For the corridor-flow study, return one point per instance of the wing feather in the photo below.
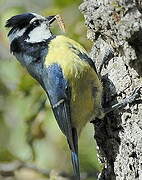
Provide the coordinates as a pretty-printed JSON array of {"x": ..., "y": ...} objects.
[{"x": 59, "y": 94}]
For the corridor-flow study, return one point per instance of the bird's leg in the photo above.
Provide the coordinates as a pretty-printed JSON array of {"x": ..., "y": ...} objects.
[
  {"x": 124, "y": 102},
  {"x": 136, "y": 93}
]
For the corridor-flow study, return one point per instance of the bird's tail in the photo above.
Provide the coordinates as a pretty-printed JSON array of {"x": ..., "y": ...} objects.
[
  {"x": 74, "y": 154},
  {"x": 75, "y": 162}
]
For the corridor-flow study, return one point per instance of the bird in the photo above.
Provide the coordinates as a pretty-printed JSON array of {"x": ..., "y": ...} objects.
[{"x": 64, "y": 70}]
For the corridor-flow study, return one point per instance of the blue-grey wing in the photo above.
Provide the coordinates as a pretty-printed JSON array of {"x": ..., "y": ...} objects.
[{"x": 58, "y": 92}]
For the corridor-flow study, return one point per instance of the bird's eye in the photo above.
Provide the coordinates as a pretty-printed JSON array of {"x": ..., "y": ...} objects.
[{"x": 36, "y": 23}]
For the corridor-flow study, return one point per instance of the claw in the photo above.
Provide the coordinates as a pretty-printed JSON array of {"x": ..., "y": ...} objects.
[{"x": 136, "y": 93}]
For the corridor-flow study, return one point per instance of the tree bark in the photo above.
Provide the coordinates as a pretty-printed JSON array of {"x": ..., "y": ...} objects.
[{"x": 115, "y": 27}]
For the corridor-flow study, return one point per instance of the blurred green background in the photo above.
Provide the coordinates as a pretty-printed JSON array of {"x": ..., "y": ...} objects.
[{"x": 29, "y": 132}]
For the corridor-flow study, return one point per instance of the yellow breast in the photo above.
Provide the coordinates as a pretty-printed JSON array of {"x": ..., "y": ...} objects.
[{"x": 81, "y": 77}]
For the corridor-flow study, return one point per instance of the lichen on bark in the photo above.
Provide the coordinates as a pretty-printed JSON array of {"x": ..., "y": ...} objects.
[{"x": 115, "y": 27}]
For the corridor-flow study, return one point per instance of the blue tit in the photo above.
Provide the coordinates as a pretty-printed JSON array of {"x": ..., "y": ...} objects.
[{"x": 63, "y": 69}]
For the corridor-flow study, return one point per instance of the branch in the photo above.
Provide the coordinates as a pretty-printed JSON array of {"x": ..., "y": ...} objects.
[{"x": 7, "y": 169}]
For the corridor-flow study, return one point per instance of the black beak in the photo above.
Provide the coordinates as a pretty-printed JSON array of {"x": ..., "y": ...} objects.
[{"x": 51, "y": 19}]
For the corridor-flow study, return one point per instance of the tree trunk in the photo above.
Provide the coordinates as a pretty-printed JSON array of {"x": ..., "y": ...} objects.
[{"x": 115, "y": 27}]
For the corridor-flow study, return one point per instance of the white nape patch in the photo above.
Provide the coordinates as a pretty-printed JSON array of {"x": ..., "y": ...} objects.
[
  {"x": 39, "y": 33},
  {"x": 16, "y": 34}
]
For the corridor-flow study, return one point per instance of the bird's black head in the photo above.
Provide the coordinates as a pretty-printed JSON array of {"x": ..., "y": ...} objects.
[
  {"x": 32, "y": 27},
  {"x": 29, "y": 36}
]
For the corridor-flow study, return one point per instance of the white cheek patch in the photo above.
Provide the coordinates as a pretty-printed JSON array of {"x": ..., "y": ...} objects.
[
  {"x": 39, "y": 34},
  {"x": 16, "y": 34}
]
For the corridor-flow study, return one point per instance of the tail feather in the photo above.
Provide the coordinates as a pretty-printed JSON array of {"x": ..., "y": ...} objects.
[
  {"x": 75, "y": 162},
  {"x": 73, "y": 143}
]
